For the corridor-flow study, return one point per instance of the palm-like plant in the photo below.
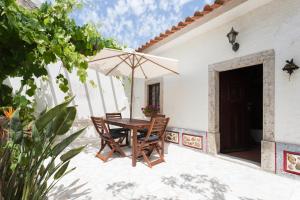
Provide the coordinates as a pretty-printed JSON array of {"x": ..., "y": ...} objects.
[{"x": 29, "y": 163}]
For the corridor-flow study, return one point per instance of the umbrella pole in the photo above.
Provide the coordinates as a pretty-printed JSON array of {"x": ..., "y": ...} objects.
[{"x": 132, "y": 85}]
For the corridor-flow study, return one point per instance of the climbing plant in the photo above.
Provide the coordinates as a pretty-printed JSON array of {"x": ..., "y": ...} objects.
[{"x": 30, "y": 39}]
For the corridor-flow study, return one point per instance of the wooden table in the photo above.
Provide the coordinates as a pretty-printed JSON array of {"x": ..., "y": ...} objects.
[{"x": 134, "y": 125}]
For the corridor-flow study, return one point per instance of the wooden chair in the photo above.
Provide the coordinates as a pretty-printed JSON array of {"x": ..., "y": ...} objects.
[
  {"x": 143, "y": 132},
  {"x": 122, "y": 130},
  {"x": 111, "y": 139},
  {"x": 154, "y": 140}
]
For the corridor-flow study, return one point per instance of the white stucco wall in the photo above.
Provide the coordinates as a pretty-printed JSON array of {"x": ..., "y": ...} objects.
[
  {"x": 108, "y": 96},
  {"x": 275, "y": 25}
]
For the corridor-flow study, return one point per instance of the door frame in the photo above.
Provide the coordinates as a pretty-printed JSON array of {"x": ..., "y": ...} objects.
[{"x": 267, "y": 59}]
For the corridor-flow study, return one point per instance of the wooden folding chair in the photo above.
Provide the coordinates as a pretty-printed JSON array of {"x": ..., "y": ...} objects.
[
  {"x": 143, "y": 132},
  {"x": 154, "y": 140},
  {"x": 125, "y": 131},
  {"x": 111, "y": 139}
]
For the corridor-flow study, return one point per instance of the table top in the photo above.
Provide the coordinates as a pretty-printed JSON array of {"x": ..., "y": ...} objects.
[{"x": 129, "y": 123}]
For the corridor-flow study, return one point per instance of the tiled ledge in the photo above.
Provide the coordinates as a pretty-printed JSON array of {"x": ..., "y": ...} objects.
[
  {"x": 288, "y": 160},
  {"x": 284, "y": 153},
  {"x": 187, "y": 137}
]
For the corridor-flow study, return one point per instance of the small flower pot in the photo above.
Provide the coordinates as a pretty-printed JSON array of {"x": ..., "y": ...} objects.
[{"x": 150, "y": 114}]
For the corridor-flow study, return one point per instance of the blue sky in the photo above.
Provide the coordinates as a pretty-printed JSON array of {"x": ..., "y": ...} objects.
[{"x": 134, "y": 22}]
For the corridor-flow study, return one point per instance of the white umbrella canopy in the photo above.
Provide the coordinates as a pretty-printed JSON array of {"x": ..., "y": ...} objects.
[{"x": 130, "y": 63}]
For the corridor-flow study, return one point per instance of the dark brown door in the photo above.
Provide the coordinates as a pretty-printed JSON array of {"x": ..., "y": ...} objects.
[{"x": 234, "y": 122}]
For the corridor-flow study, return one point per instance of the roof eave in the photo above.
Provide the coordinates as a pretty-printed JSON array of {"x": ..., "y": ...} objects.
[{"x": 200, "y": 17}]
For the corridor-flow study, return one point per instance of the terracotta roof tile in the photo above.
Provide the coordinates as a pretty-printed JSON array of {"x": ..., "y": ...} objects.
[
  {"x": 189, "y": 20},
  {"x": 208, "y": 8}
]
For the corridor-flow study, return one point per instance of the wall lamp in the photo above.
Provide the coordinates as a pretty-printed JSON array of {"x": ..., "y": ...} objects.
[
  {"x": 290, "y": 67},
  {"x": 232, "y": 39}
]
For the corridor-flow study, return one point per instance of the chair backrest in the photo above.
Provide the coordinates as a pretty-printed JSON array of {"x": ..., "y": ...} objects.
[
  {"x": 101, "y": 128},
  {"x": 113, "y": 116},
  {"x": 158, "y": 126},
  {"x": 158, "y": 115}
]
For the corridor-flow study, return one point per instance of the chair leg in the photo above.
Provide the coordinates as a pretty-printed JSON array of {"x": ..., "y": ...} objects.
[
  {"x": 102, "y": 147},
  {"x": 146, "y": 159},
  {"x": 127, "y": 138},
  {"x": 155, "y": 162},
  {"x": 121, "y": 142},
  {"x": 110, "y": 154},
  {"x": 105, "y": 158},
  {"x": 150, "y": 151},
  {"x": 115, "y": 146},
  {"x": 118, "y": 149},
  {"x": 160, "y": 153},
  {"x": 163, "y": 147}
]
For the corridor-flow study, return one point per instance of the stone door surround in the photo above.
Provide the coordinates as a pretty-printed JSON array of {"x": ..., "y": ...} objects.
[{"x": 267, "y": 59}]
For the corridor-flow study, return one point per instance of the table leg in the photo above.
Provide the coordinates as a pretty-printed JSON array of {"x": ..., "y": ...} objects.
[{"x": 134, "y": 148}]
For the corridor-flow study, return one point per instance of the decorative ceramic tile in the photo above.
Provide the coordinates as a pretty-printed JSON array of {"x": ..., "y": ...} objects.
[
  {"x": 291, "y": 162},
  {"x": 192, "y": 141},
  {"x": 172, "y": 136}
]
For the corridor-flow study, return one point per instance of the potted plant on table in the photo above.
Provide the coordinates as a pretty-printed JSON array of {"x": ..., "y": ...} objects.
[{"x": 151, "y": 110}]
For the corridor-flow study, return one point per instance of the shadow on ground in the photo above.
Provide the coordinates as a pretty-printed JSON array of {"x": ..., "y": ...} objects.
[
  {"x": 246, "y": 198},
  {"x": 206, "y": 187},
  {"x": 70, "y": 192},
  {"x": 117, "y": 187},
  {"x": 153, "y": 197}
]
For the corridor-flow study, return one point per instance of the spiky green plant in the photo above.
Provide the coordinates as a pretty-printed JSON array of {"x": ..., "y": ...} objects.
[{"x": 31, "y": 160}]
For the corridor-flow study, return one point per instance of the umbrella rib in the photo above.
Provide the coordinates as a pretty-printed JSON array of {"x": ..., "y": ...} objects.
[
  {"x": 107, "y": 57},
  {"x": 139, "y": 60},
  {"x": 143, "y": 71},
  {"x": 131, "y": 61},
  {"x": 143, "y": 61},
  {"x": 140, "y": 64},
  {"x": 125, "y": 61},
  {"x": 161, "y": 65},
  {"x": 115, "y": 66}
]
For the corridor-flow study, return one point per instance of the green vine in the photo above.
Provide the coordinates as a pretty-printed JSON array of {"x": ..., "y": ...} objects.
[{"x": 31, "y": 39}]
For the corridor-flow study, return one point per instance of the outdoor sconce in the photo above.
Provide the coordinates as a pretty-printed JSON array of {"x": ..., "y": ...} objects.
[
  {"x": 290, "y": 67},
  {"x": 232, "y": 39}
]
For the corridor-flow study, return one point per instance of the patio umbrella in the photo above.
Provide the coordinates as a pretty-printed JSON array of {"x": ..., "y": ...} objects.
[{"x": 130, "y": 63}]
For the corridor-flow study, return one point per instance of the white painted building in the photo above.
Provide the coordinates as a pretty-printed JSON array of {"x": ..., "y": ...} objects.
[{"x": 269, "y": 34}]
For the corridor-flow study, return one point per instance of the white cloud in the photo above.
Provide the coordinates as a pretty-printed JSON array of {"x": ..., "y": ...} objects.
[
  {"x": 209, "y": 1},
  {"x": 137, "y": 6},
  {"x": 121, "y": 7},
  {"x": 133, "y": 22}
]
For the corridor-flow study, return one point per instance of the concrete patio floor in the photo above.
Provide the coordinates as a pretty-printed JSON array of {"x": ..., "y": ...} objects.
[{"x": 186, "y": 175}]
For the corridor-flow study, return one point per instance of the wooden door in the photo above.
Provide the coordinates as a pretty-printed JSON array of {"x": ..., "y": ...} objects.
[{"x": 234, "y": 122}]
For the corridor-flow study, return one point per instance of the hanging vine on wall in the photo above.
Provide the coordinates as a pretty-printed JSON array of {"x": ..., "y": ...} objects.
[{"x": 32, "y": 39}]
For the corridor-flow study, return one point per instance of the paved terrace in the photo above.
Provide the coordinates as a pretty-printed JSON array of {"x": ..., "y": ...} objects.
[{"x": 186, "y": 175}]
